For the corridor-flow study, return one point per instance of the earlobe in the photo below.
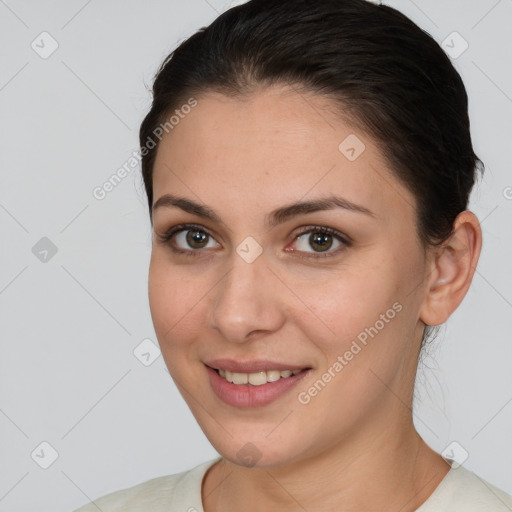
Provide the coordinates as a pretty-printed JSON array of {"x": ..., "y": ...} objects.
[{"x": 453, "y": 269}]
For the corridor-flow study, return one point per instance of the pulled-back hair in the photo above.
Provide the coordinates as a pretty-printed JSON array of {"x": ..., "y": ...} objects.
[{"x": 388, "y": 78}]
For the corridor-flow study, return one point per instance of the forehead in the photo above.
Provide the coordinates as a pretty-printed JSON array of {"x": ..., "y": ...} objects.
[{"x": 271, "y": 147}]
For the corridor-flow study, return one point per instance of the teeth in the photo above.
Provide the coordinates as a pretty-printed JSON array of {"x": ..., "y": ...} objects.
[
  {"x": 239, "y": 378},
  {"x": 273, "y": 375},
  {"x": 257, "y": 378}
]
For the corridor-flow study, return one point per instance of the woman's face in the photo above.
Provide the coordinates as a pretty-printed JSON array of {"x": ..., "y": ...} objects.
[{"x": 253, "y": 286}]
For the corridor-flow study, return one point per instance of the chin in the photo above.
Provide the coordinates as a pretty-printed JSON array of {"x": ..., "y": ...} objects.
[{"x": 258, "y": 452}]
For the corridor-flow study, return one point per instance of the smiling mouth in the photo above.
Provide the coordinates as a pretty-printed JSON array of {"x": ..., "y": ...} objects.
[{"x": 257, "y": 378}]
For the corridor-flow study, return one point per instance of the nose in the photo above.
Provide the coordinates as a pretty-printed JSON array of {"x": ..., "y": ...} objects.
[{"x": 248, "y": 301}]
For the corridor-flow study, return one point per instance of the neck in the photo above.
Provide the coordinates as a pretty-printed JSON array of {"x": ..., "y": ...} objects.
[{"x": 392, "y": 469}]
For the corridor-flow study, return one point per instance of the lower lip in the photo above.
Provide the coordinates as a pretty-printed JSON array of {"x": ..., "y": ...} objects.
[{"x": 247, "y": 395}]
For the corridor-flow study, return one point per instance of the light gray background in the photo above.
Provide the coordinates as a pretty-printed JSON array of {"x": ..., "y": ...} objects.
[{"x": 68, "y": 374}]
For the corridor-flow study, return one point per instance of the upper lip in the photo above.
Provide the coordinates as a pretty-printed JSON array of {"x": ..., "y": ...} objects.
[{"x": 251, "y": 366}]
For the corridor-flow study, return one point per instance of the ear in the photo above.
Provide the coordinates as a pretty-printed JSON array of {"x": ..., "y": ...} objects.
[{"x": 453, "y": 266}]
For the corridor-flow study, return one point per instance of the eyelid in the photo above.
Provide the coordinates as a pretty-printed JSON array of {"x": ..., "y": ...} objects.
[
  {"x": 166, "y": 237},
  {"x": 345, "y": 240},
  {"x": 323, "y": 229}
]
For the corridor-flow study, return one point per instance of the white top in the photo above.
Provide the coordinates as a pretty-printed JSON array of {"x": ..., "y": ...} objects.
[{"x": 459, "y": 491}]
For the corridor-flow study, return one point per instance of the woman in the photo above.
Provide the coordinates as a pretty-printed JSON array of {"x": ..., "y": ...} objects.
[{"x": 308, "y": 167}]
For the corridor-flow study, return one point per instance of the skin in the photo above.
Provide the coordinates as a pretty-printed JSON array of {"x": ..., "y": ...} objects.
[{"x": 354, "y": 444}]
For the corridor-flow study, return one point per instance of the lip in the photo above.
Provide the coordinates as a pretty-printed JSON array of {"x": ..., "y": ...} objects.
[
  {"x": 246, "y": 395},
  {"x": 252, "y": 366}
]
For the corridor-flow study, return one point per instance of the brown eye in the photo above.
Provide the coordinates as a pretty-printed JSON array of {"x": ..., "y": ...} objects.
[
  {"x": 320, "y": 239},
  {"x": 196, "y": 239},
  {"x": 188, "y": 239}
]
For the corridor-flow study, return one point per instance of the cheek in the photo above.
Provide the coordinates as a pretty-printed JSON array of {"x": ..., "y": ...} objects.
[
  {"x": 360, "y": 322},
  {"x": 173, "y": 298},
  {"x": 340, "y": 305},
  {"x": 362, "y": 352}
]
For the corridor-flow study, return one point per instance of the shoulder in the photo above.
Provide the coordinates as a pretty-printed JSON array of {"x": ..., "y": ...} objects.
[
  {"x": 145, "y": 494},
  {"x": 464, "y": 491},
  {"x": 157, "y": 494}
]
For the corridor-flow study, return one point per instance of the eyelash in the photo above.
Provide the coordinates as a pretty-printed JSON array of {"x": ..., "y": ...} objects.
[{"x": 168, "y": 235}]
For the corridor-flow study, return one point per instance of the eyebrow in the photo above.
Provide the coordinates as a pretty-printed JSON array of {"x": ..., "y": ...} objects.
[{"x": 275, "y": 217}]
